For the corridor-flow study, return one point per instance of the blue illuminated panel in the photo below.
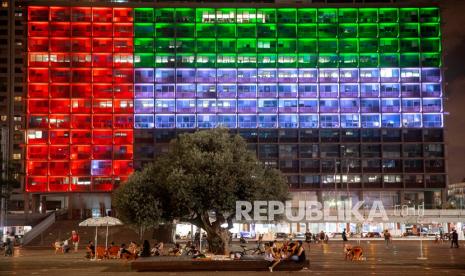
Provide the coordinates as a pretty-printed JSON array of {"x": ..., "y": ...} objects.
[{"x": 288, "y": 98}]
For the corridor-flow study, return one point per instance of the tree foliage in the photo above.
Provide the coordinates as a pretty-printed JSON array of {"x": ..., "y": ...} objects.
[
  {"x": 137, "y": 203},
  {"x": 199, "y": 181}
]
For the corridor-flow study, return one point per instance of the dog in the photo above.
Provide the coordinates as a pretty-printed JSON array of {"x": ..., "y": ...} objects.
[{"x": 353, "y": 253}]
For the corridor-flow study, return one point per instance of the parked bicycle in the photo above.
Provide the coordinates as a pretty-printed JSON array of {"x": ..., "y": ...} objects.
[{"x": 258, "y": 250}]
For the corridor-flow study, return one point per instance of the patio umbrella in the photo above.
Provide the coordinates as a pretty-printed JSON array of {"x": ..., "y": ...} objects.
[{"x": 101, "y": 221}]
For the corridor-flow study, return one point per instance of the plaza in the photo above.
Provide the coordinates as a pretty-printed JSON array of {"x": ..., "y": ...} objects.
[{"x": 325, "y": 259}]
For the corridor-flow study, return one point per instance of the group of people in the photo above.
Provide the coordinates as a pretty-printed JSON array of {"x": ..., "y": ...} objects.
[
  {"x": 64, "y": 246},
  {"x": 316, "y": 238},
  {"x": 275, "y": 252},
  {"x": 134, "y": 250},
  {"x": 112, "y": 251}
]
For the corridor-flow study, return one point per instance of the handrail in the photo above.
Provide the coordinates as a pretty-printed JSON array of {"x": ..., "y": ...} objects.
[{"x": 39, "y": 228}]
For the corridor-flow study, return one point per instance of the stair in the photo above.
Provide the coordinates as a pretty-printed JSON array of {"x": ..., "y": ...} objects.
[{"x": 61, "y": 230}]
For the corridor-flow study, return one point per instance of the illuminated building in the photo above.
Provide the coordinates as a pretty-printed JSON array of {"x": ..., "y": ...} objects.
[{"x": 349, "y": 96}]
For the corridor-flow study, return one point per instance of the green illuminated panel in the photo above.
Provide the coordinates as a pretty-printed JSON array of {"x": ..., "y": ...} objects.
[{"x": 287, "y": 37}]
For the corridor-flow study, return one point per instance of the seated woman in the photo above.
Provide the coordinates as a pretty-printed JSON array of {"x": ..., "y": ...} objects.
[
  {"x": 145, "y": 249},
  {"x": 277, "y": 255},
  {"x": 298, "y": 253},
  {"x": 269, "y": 252},
  {"x": 134, "y": 248},
  {"x": 157, "y": 250},
  {"x": 125, "y": 253},
  {"x": 176, "y": 250}
]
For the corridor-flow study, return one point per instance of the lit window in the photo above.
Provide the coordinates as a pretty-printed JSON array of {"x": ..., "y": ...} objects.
[{"x": 16, "y": 156}]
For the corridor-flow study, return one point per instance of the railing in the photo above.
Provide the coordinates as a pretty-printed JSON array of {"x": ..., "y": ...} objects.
[{"x": 39, "y": 228}]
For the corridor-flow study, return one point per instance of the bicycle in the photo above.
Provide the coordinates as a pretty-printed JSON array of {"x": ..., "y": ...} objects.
[{"x": 258, "y": 250}]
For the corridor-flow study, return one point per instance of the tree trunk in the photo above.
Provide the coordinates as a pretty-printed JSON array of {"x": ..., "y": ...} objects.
[
  {"x": 218, "y": 241},
  {"x": 164, "y": 233}
]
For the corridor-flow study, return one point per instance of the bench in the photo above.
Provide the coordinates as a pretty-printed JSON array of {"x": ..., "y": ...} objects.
[{"x": 183, "y": 264}]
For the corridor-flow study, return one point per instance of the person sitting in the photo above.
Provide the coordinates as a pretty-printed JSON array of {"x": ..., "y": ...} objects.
[
  {"x": 134, "y": 248},
  {"x": 298, "y": 253},
  {"x": 190, "y": 250},
  {"x": 90, "y": 250},
  {"x": 269, "y": 252},
  {"x": 157, "y": 250},
  {"x": 65, "y": 246},
  {"x": 125, "y": 253},
  {"x": 196, "y": 253},
  {"x": 277, "y": 256},
  {"x": 176, "y": 250},
  {"x": 290, "y": 250},
  {"x": 56, "y": 245},
  {"x": 145, "y": 249}
]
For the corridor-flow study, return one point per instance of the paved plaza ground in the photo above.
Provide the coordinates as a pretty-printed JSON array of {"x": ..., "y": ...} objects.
[{"x": 326, "y": 259}]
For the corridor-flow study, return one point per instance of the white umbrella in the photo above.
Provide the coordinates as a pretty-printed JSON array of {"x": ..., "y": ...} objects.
[{"x": 102, "y": 221}]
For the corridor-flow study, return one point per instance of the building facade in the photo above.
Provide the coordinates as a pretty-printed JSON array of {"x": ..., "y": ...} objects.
[{"x": 339, "y": 98}]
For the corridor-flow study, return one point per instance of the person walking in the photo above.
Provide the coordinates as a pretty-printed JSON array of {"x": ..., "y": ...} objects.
[
  {"x": 441, "y": 235},
  {"x": 387, "y": 238},
  {"x": 344, "y": 235},
  {"x": 75, "y": 240},
  {"x": 455, "y": 239},
  {"x": 308, "y": 238}
]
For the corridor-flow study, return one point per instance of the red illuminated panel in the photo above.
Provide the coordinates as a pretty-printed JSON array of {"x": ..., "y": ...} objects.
[
  {"x": 81, "y": 14},
  {"x": 121, "y": 137},
  {"x": 102, "y": 14},
  {"x": 80, "y": 167},
  {"x": 80, "y": 98},
  {"x": 38, "y": 44},
  {"x": 36, "y": 183},
  {"x": 81, "y": 29},
  {"x": 60, "y": 44},
  {"x": 60, "y": 14},
  {"x": 123, "y": 45},
  {"x": 59, "y": 90},
  {"x": 37, "y": 153},
  {"x": 81, "y": 137},
  {"x": 58, "y": 184},
  {"x": 81, "y": 152},
  {"x": 59, "y": 153},
  {"x": 122, "y": 15}
]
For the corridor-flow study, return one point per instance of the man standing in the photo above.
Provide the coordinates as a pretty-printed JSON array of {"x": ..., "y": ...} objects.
[
  {"x": 455, "y": 239},
  {"x": 75, "y": 240}
]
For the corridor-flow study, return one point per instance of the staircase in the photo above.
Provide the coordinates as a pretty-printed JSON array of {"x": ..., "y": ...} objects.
[{"x": 61, "y": 230}]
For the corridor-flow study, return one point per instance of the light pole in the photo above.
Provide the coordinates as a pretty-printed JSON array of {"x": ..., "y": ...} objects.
[
  {"x": 336, "y": 195},
  {"x": 421, "y": 257}
]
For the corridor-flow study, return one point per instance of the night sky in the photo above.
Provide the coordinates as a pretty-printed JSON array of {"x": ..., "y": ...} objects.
[{"x": 453, "y": 35}]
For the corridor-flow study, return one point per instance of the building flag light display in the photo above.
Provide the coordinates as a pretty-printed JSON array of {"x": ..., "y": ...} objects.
[{"x": 96, "y": 74}]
